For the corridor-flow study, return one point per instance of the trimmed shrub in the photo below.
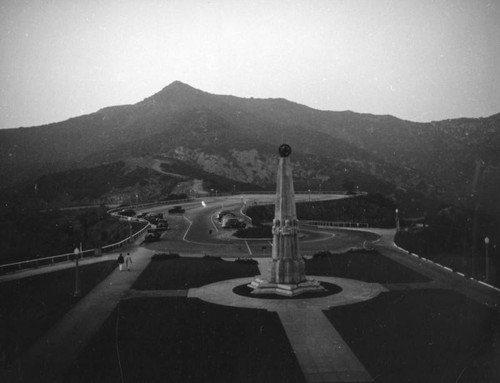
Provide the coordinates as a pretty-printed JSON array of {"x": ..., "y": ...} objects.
[
  {"x": 212, "y": 258},
  {"x": 322, "y": 254},
  {"x": 247, "y": 261}
]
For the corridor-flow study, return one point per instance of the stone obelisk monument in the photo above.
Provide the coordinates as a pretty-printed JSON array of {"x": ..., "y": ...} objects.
[{"x": 286, "y": 274}]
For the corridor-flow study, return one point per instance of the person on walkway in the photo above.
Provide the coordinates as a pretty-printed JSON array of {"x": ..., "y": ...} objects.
[
  {"x": 120, "y": 261},
  {"x": 128, "y": 261}
]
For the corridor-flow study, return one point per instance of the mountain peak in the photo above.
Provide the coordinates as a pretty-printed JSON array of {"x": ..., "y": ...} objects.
[
  {"x": 175, "y": 92},
  {"x": 179, "y": 85}
]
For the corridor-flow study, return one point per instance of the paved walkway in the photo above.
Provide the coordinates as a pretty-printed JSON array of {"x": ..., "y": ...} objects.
[
  {"x": 321, "y": 352},
  {"x": 62, "y": 265},
  {"x": 54, "y": 353},
  {"x": 353, "y": 291}
]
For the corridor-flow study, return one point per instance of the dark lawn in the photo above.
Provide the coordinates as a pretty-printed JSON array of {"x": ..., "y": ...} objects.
[
  {"x": 188, "y": 340},
  {"x": 422, "y": 336},
  {"x": 185, "y": 273},
  {"x": 30, "y": 306},
  {"x": 368, "y": 266}
]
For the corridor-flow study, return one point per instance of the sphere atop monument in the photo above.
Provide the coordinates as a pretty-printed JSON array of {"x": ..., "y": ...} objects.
[{"x": 285, "y": 150}]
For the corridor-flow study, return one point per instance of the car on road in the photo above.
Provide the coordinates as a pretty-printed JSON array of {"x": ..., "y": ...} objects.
[{"x": 176, "y": 210}]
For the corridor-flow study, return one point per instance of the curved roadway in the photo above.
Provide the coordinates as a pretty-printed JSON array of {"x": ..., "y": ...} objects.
[{"x": 197, "y": 232}]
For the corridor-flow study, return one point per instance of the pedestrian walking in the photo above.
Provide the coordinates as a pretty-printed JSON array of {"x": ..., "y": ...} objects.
[
  {"x": 128, "y": 261},
  {"x": 121, "y": 261}
]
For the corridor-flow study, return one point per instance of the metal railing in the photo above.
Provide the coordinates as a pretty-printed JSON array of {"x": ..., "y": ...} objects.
[
  {"x": 47, "y": 261},
  {"x": 335, "y": 223},
  {"x": 150, "y": 204}
]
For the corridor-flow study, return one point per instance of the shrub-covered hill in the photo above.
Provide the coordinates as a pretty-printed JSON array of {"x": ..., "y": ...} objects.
[
  {"x": 91, "y": 184},
  {"x": 237, "y": 138},
  {"x": 131, "y": 181}
]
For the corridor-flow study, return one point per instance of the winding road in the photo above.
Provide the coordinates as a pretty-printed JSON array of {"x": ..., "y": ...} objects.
[{"x": 198, "y": 232}]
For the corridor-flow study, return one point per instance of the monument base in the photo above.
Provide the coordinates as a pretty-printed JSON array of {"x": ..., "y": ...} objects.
[{"x": 261, "y": 286}]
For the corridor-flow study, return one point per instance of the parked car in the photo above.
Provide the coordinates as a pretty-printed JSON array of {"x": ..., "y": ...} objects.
[
  {"x": 152, "y": 235},
  {"x": 221, "y": 214},
  {"x": 154, "y": 218},
  {"x": 162, "y": 224},
  {"x": 176, "y": 210},
  {"x": 127, "y": 212},
  {"x": 232, "y": 223}
]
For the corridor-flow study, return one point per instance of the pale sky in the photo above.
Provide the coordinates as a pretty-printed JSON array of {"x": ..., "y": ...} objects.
[{"x": 419, "y": 60}]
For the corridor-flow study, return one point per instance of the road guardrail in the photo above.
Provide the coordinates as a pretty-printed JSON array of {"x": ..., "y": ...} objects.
[
  {"x": 335, "y": 223},
  {"x": 47, "y": 261}
]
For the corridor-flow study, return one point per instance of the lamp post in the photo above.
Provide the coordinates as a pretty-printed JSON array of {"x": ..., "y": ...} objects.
[
  {"x": 486, "y": 245},
  {"x": 129, "y": 228},
  {"x": 397, "y": 220},
  {"x": 309, "y": 195},
  {"x": 77, "y": 292}
]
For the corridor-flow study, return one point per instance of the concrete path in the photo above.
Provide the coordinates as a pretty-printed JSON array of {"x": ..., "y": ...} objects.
[
  {"x": 60, "y": 266},
  {"x": 353, "y": 291},
  {"x": 54, "y": 353},
  {"x": 321, "y": 352},
  {"x": 49, "y": 268},
  {"x": 156, "y": 294}
]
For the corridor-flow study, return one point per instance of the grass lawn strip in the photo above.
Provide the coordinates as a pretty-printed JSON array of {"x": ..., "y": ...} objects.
[
  {"x": 188, "y": 340},
  {"x": 185, "y": 273},
  {"x": 31, "y": 305},
  {"x": 368, "y": 266},
  {"x": 422, "y": 336}
]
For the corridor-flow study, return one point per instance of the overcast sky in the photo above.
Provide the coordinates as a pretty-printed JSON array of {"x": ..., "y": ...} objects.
[{"x": 419, "y": 60}]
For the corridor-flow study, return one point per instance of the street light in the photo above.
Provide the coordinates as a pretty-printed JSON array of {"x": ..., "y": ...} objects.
[
  {"x": 397, "y": 220},
  {"x": 486, "y": 245},
  {"x": 78, "y": 292},
  {"x": 129, "y": 228}
]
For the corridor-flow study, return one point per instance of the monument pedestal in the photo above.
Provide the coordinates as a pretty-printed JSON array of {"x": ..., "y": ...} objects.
[{"x": 261, "y": 286}]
